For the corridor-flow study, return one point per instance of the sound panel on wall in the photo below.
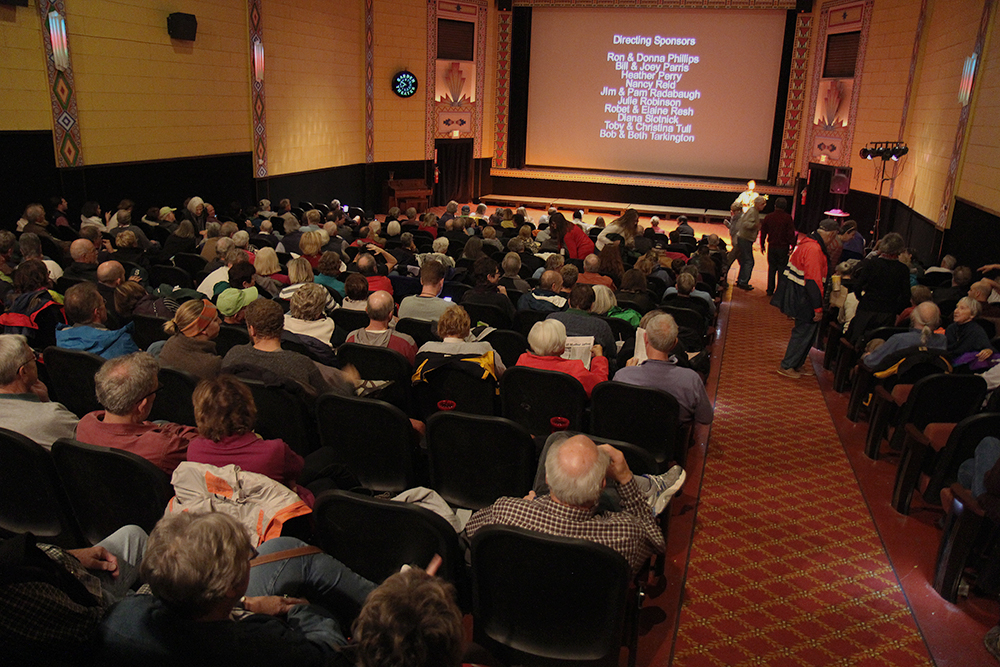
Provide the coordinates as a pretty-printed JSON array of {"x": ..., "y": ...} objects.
[{"x": 182, "y": 26}]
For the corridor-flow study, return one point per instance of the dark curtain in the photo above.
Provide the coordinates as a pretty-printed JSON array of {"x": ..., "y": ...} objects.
[{"x": 455, "y": 163}]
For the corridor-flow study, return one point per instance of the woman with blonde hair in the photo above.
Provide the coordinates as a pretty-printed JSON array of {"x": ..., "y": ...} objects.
[
  {"x": 266, "y": 266},
  {"x": 191, "y": 346},
  {"x": 454, "y": 328},
  {"x": 529, "y": 241},
  {"x": 428, "y": 223},
  {"x": 300, "y": 273},
  {"x": 311, "y": 247}
]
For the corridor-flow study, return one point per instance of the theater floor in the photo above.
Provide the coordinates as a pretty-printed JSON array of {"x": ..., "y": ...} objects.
[{"x": 783, "y": 549}]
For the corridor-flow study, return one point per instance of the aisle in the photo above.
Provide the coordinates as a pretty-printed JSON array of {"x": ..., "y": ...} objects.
[{"x": 786, "y": 567}]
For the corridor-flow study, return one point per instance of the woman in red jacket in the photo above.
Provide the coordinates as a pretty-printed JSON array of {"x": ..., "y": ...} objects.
[
  {"x": 548, "y": 341},
  {"x": 578, "y": 245}
]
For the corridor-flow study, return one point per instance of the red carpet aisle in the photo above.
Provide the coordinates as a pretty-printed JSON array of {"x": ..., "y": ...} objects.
[{"x": 786, "y": 567}]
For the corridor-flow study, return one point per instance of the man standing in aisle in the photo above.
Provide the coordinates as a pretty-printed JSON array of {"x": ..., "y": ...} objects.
[
  {"x": 747, "y": 234},
  {"x": 780, "y": 229},
  {"x": 800, "y": 296}
]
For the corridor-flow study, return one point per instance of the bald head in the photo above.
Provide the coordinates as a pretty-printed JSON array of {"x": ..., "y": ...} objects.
[
  {"x": 111, "y": 273},
  {"x": 551, "y": 280},
  {"x": 575, "y": 470},
  {"x": 83, "y": 251},
  {"x": 980, "y": 291},
  {"x": 379, "y": 308}
]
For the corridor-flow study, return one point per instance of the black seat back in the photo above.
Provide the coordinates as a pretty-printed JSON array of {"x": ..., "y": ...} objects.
[
  {"x": 164, "y": 274},
  {"x": 494, "y": 316},
  {"x": 148, "y": 330},
  {"x": 509, "y": 344},
  {"x": 350, "y": 320},
  {"x": 190, "y": 262},
  {"x": 649, "y": 418},
  {"x": 72, "y": 375},
  {"x": 32, "y": 498},
  {"x": 173, "y": 401},
  {"x": 110, "y": 488},
  {"x": 475, "y": 459},
  {"x": 420, "y": 331},
  {"x": 943, "y": 398},
  {"x": 231, "y": 335},
  {"x": 528, "y": 601},
  {"x": 370, "y": 437},
  {"x": 532, "y": 397},
  {"x": 285, "y": 415}
]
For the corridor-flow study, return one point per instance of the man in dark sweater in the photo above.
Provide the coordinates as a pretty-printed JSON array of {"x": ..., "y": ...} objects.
[
  {"x": 580, "y": 322},
  {"x": 779, "y": 227}
]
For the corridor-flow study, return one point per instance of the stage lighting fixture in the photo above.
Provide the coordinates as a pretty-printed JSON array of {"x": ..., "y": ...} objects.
[
  {"x": 898, "y": 152},
  {"x": 866, "y": 154}
]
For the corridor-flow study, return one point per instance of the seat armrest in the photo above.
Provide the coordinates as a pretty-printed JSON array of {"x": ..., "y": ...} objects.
[{"x": 964, "y": 496}]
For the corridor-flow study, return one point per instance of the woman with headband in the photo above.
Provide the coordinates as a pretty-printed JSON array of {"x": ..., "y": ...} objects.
[{"x": 191, "y": 345}]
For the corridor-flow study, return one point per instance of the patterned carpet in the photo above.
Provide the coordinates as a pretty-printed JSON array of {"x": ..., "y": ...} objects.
[{"x": 786, "y": 567}]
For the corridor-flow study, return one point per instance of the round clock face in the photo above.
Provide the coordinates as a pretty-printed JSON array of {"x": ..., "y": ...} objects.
[{"x": 404, "y": 84}]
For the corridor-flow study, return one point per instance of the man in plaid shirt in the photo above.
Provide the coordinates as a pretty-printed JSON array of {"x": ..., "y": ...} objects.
[{"x": 576, "y": 471}]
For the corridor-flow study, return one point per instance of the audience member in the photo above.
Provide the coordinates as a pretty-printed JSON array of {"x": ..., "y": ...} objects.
[
  {"x": 545, "y": 297},
  {"x": 84, "y": 266},
  {"x": 487, "y": 290},
  {"x": 368, "y": 268},
  {"x": 132, "y": 299},
  {"x": 882, "y": 284},
  {"x": 780, "y": 227},
  {"x": 124, "y": 219},
  {"x": 300, "y": 273},
  {"x": 31, "y": 248},
  {"x": 25, "y": 399},
  {"x": 569, "y": 237},
  {"x": 191, "y": 346},
  {"x": 965, "y": 336},
  {"x": 590, "y": 275},
  {"x": 126, "y": 387},
  {"x": 626, "y": 226},
  {"x": 306, "y": 318},
  {"x": 580, "y": 322},
  {"x": 743, "y": 237},
  {"x": 454, "y": 328},
  {"x": 378, "y": 333},
  {"x": 548, "y": 342},
  {"x": 180, "y": 240},
  {"x": 511, "y": 273},
  {"x": 209, "y": 604},
  {"x": 32, "y": 309},
  {"x": 610, "y": 265},
  {"x": 575, "y": 474},
  {"x": 428, "y": 305},
  {"x": 226, "y": 413},
  {"x": 961, "y": 278},
  {"x": 87, "y": 315}
]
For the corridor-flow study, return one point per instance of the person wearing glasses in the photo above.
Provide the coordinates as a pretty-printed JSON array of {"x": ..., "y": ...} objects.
[
  {"x": 126, "y": 387},
  {"x": 24, "y": 400}
]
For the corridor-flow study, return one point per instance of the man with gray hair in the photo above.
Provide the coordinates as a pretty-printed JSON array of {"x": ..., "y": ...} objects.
[
  {"x": 126, "y": 387},
  {"x": 576, "y": 472},
  {"x": 293, "y": 234},
  {"x": 124, "y": 218},
  {"x": 660, "y": 371},
  {"x": 24, "y": 399},
  {"x": 378, "y": 333},
  {"x": 228, "y": 255},
  {"x": 31, "y": 248}
]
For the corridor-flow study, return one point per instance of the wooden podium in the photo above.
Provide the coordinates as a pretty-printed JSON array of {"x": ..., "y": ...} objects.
[{"x": 407, "y": 192}]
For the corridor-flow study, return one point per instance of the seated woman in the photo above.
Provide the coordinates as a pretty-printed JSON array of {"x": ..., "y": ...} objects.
[
  {"x": 311, "y": 247},
  {"x": 129, "y": 249},
  {"x": 967, "y": 342},
  {"x": 182, "y": 240},
  {"x": 300, "y": 273},
  {"x": 429, "y": 224},
  {"x": 329, "y": 272},
  {"x": 225, "y": 412},
  {"x": 131, "y": 298},
  {"x": 488, "y": 291},
  {"x": 548, "y": 341},
  {"x": 32, "y": 309},
  {"x": 606, "y": 304},
  {"x": 307, "y": 319},
  {"x": 611, "y": 264},
  {"x": 527, "y": 238},
  {"x": 473, "y": 249},
  {"x": 634, "y": 288},
  {"x": 453, "y": 328},
  {"x": 191, "y": 346},
  {"x": 269, "y": 275},
  {"x": 209, "y": 606}
]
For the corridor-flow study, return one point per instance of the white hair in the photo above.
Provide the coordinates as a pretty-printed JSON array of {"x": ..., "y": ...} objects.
[
  {"x": 241, "y": 239},
  {"x": 582, "y": 489},
  {"x": 440, "y": 244},
  {"x": 547, "y": 338},
  {"x": 14, "y": 353},
  {"x": 604, "y": 300},
  {"x": 393, "y": 228}
]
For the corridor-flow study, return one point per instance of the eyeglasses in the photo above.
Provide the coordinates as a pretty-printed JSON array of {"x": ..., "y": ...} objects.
[
  {"x": 34, "y": 357},
  {"x": 150, "y": 393}
]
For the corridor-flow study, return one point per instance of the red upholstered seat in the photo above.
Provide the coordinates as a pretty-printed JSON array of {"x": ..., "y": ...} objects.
[{"x": 938, "y": 433}]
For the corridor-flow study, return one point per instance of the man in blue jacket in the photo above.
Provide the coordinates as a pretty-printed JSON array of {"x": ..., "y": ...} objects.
[{"x": 87, "y": 313}]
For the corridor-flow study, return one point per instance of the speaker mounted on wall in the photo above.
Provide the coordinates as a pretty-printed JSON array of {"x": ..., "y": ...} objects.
[
  {"x": 804, "y": 6},
  {"x": 505, "y": 5},
  {"x": 182, "y": 26}
]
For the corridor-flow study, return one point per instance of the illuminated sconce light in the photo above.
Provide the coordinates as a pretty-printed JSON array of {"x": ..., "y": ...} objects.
[
  {"x": 258, "y": 60},
  {"x": 968, "y": 75},
  {"x": 60, "y": 46}
]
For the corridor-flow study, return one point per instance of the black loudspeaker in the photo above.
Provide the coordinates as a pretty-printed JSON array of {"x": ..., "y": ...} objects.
[
  {"x": 804, "y": 6},
  {"x": 182, "y": 26},
  {"x": 840, "y": 184},
  {"x": 505, "y": 5}
]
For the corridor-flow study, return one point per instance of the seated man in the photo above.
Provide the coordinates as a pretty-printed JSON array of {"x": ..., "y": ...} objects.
[
  {"x": 84, "y": 266},
  {"x": 126, "y": 387},
  {"x": 110, "y": 275},
  {"x": 511, "y": 273},
  {"x": 704, "y": 296},
  {"x": 924, "y": 320},
  {"x": 368, "y": 267},
  {"x": 378, "y": 333},
  {"x": 580, "y": 322},
  {"x": 660, "y": 371},
  {"x": 683, "y": 297},
  {"x": 26, "y": 408},
  {"x": 87, "y": 314},
  {"x": 576, "y": 471},
  {"x": 590, "y": 275},
  {"x": 428, "y": 305},
  {"x": 440, "y": 253},
  {"x": 266, "y": 322},
  {"x": 545, "y": 297},
  {"x": 227, "y": 256},
  {"x": 961, "y": 278},
  {"x": 211, "y": 606}
]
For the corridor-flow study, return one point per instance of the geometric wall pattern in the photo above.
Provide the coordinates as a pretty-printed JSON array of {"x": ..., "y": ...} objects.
[
  {"x": 369, "y": 82},
  {"x": 257, "y": 95},
  {"x": 62, "y": 91},
  {"x": 795, "y": 108},
  {"x": 503, "y": 90}
]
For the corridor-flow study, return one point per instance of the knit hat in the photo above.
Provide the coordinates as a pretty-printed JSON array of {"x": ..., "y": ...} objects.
[{"x": 233, "y": 300}]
